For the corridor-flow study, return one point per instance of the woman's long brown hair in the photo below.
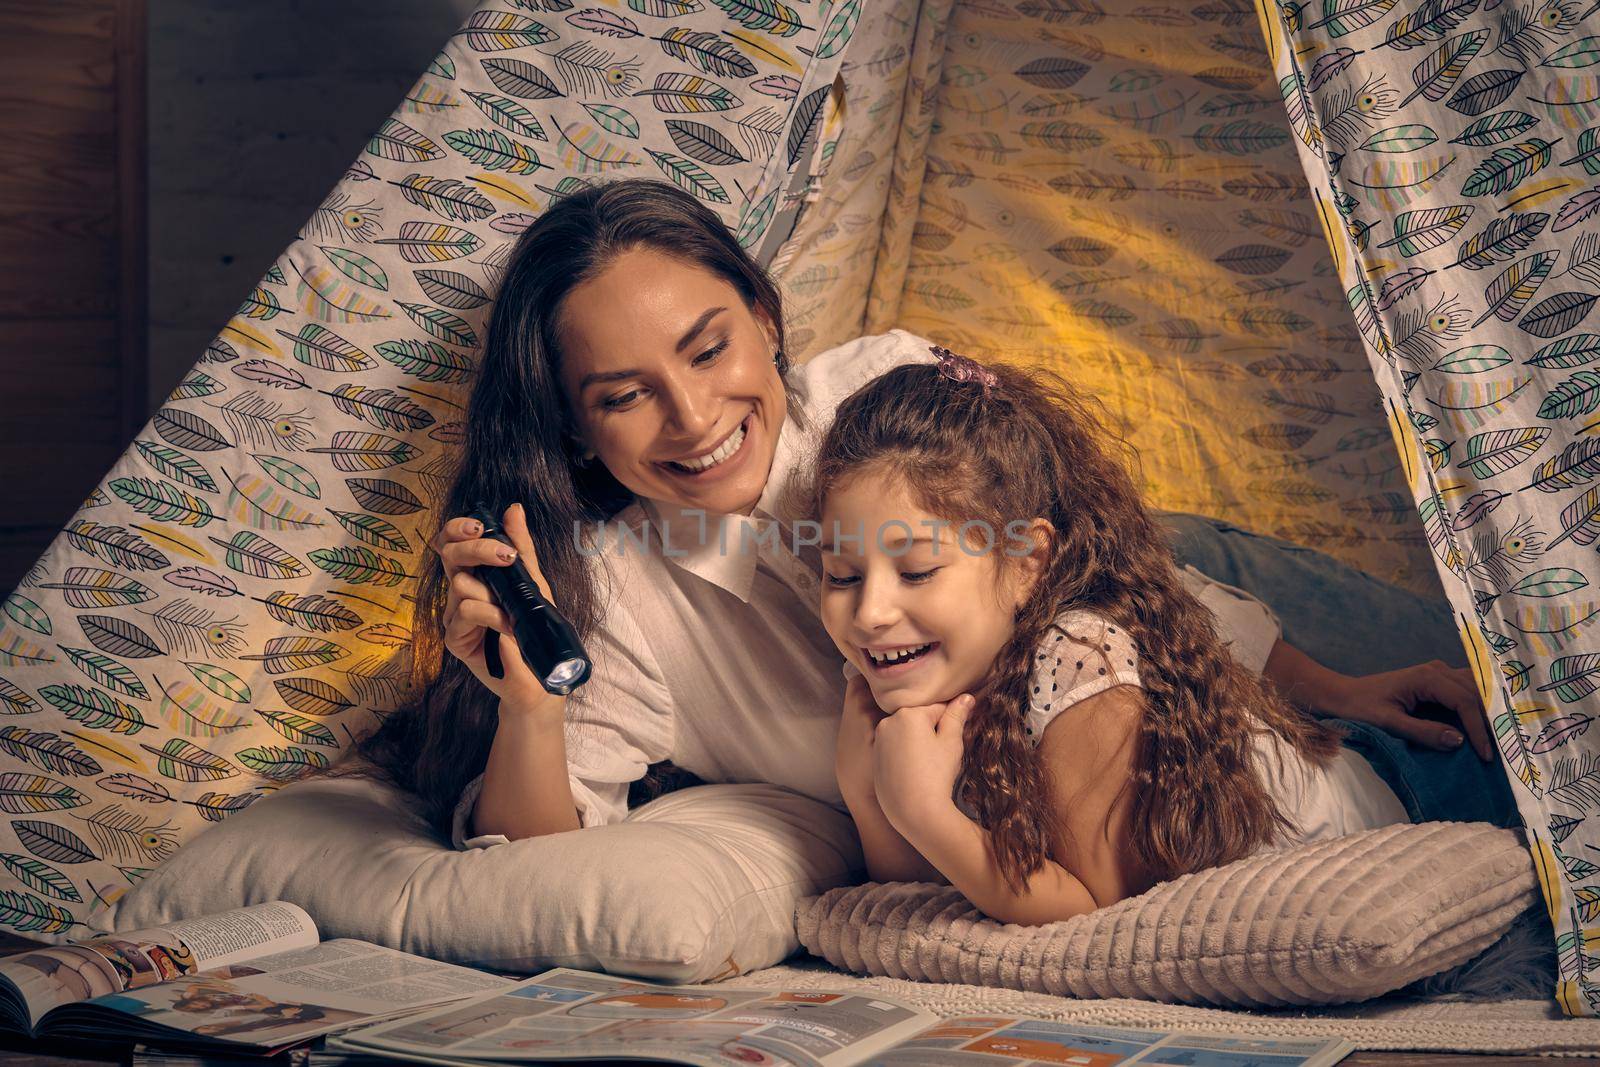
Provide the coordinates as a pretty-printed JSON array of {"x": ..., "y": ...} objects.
[
  {"x": 1032, "y": 448},
  {"x": 518, "y": 447}
]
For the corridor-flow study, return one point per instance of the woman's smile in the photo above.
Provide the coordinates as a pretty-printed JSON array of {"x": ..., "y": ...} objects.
[
  {"x": 710, "y": 465},
  {"x": 674, "y": 382}
]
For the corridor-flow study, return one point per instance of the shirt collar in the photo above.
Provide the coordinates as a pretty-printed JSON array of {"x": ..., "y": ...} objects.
[
  {"x": 713, "y": 546},
  {"x": 707, "y": 545}
]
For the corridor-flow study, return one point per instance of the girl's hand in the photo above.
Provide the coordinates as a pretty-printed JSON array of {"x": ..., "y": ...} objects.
[
  {"x": 472, "y": 614},
  {"x": 853, "y": 755},
  {"x": 917, "y": 759},
  {"x": 1389, "y": 700}
]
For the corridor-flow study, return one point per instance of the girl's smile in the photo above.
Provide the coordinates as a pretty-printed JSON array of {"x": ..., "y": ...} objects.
[
  {"x": 920, "y": 614},
  {"x": 900, "y": 660}
]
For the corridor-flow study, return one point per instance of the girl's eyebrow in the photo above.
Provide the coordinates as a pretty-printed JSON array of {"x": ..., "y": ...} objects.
[
  {"x": 832, "y": 546},
  {"x": 924, "y": 539}
]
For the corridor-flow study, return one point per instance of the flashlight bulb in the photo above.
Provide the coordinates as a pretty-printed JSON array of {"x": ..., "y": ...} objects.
[{"x": 565, "y": 672}]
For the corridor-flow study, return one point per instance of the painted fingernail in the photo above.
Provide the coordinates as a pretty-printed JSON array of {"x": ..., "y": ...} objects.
[
  {"x": 507, "y": 554},
  {"x": 1451, "y": 738},
  {"x": 474, "y": 527}
]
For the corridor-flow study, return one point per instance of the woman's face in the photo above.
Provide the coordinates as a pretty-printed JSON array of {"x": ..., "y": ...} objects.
[
  {"x": 907, "y": 584},
  {"x": 671, "y": 381}
]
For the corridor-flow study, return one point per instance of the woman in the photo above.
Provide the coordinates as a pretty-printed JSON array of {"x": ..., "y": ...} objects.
[{"x": 635, "y": 376}]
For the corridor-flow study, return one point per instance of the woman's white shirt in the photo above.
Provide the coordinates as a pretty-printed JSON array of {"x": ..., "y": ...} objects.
[{"x": 711, "y": 652}]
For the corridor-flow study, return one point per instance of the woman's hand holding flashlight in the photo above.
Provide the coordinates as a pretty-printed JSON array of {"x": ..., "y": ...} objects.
[{"x": 472, "y": 616}]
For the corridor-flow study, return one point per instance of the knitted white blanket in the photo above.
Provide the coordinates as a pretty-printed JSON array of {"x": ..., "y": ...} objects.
[{"x": 1439, "y": 1024}]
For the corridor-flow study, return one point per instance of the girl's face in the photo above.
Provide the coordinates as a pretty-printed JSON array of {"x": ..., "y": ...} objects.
[
  {"x": 896, "y": 589},
  {"x": 664, "y": 365}
]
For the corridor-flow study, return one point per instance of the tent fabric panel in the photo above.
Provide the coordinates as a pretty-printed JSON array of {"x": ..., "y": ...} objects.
[
  {"x": 1114, "y": 193},
  {"x": 232, "y": 604},
  {"x": 825, "y": 269},
  {"x": 1452, "y": 151}
]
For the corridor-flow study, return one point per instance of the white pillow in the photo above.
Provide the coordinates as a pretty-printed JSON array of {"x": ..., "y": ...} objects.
[{"x": 698, "y": 885}]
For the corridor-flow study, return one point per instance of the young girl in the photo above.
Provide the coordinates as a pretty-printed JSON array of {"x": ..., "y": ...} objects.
[{"x": 1038, "y": 711}]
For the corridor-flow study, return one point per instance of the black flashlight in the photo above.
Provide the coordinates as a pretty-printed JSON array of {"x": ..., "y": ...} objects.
[{"x": 550, "y": 646}]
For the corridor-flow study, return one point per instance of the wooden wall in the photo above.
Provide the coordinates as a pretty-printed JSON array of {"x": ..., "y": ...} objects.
[
  {"x": 72, "y": 250},
  {"x": 254, "y": 110}
]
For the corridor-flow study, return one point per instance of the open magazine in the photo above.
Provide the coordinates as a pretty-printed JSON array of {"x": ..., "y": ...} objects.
[
  {"x": 567, "y": 1015},
  {"x": 256, "y": 978}
]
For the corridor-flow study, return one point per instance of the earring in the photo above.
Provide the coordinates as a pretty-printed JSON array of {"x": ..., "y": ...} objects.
[{"x": 777, "y": 355}]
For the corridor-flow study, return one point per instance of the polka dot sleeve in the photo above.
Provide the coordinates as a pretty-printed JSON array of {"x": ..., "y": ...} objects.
[{"x": 1082, "y": 654}]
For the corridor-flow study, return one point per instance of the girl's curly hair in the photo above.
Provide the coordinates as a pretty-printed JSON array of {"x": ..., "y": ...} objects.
[{"x": 1030, "y": 447}]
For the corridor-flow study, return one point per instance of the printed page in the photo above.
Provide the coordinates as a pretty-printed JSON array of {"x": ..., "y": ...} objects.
[
  {"x": 566, "y": 1014},
  {"x": 282, "y": 998},
  {"x": 242, "y": 934},
  {"x": 1009, "y": 1041},
  {"x": 1214, "y": 1050},
  {"x": 46, "y": 978}
]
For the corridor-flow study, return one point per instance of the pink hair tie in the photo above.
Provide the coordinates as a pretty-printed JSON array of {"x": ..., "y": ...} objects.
[{"x": 962, "y": 369}]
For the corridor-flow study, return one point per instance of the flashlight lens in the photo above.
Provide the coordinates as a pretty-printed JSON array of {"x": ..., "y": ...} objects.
[{"x": 565, "y": 672}]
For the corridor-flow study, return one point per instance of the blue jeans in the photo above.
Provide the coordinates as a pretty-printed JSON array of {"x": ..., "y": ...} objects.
[
  {"x": 1435, "y": 786},
  {"x": 1344, "y": 619},
  {"x": 1355, "y": 624}
]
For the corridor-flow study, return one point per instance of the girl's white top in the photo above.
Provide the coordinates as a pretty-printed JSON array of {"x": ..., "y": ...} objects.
[
  {"x": 1084, "y": 653},
  {"x": 714, "y": 657}
]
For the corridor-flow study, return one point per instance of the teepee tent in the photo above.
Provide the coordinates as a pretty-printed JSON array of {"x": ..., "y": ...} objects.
[{"x": 1329, "y": 265}]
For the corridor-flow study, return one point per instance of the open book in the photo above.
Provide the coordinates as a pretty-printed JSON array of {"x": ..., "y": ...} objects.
[
  {"x": 256, "y": 978},
  {"x": 567, "y": 1015}
]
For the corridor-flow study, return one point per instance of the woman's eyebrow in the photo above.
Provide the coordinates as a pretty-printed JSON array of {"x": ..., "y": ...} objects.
[
  {"x": 683, "y": 342},
  {"x": 699, "y": 324},
  {"x": 605, "y": 376}
]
